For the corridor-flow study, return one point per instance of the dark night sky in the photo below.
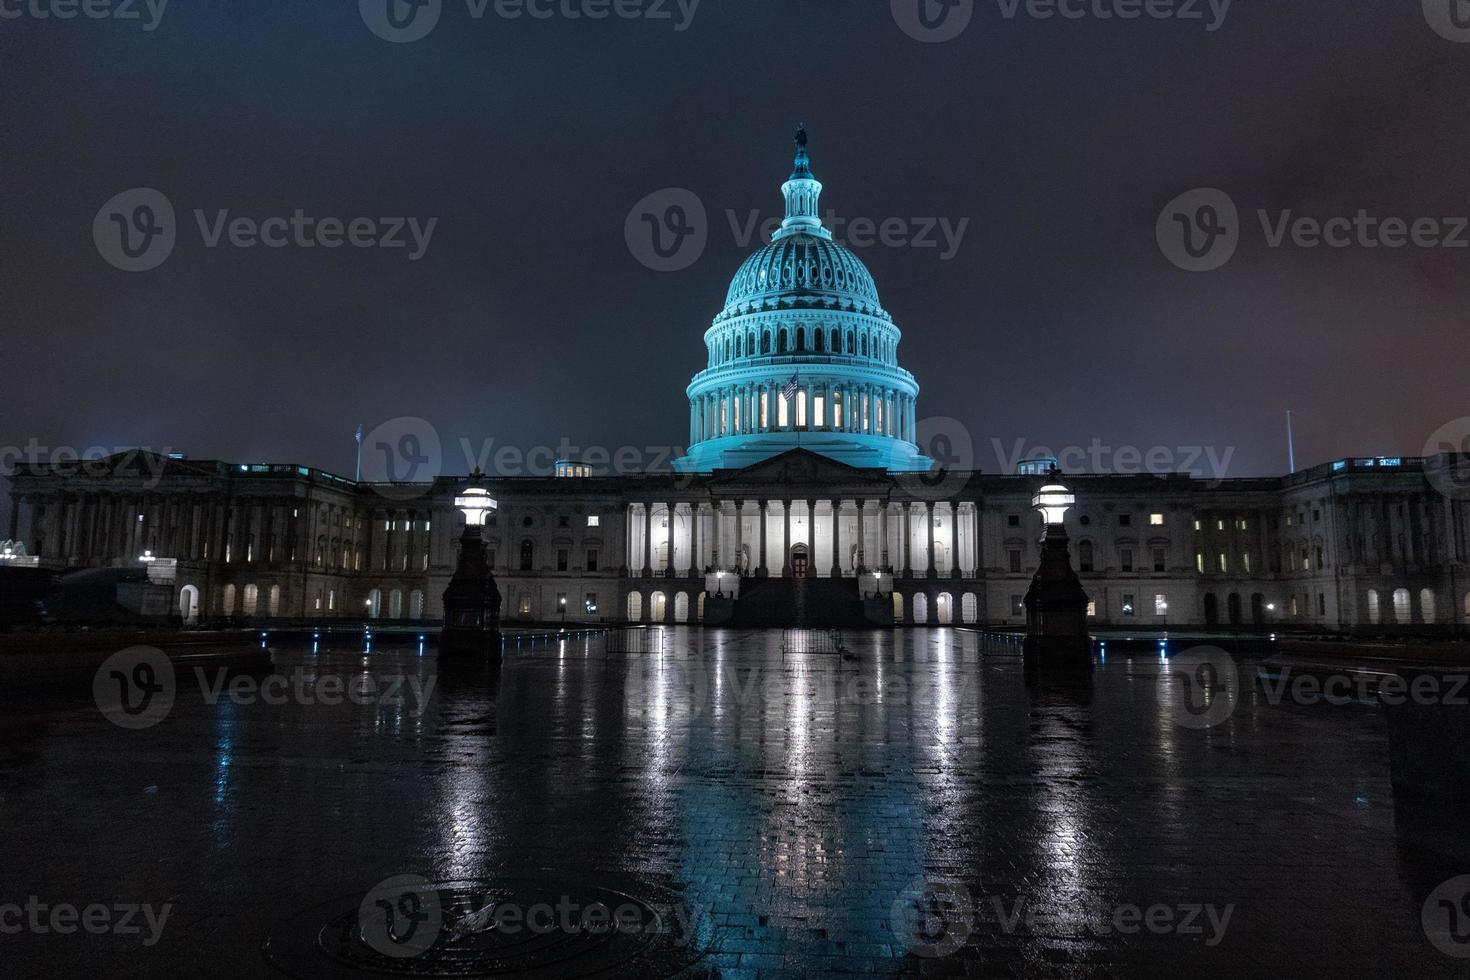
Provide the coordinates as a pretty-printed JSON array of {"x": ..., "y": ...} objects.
[{"x": 528, "y": 320}]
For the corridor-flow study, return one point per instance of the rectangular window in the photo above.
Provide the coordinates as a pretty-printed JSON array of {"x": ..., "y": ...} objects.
[
  {"x": 1245, "y": 562},
  {"x": 1196, "y": 524},
  {"x": 1199, "y": 562},
  {"x": 1161, "y": 604},
  {"x": 1156, "y": 520},
  {"x": 783, "y": 413},
  {"x": 1127, "y": 604},
  {"x": 1220, "y": 525},
  {"x": 562, "y": 559},
  {"x": 525, "y": 606},
  {"x": 1224, "y": 563},
  {"x": 594, "y": 520},
  {"x": 800, "y": 409},
  {"x": 1092, "y": 609},
  {"x": 819, "y": 411},
  {"x": 590, "y": 604},
  {"x": 1321, "y": 604},
  {"x": 1013, "y": 520},
  {"x": 765, "y": 410},
  {"x": 1125, "y": 520},
  {"x": 592, "y": 559},
  {"x": 1015, "y": 560},
  {"x": 1126, "y": 557},
  {"x": 837, "y": 403},
  {"x": 1018, "y": 605},
  {"x": 1320, "y": 563},
  {"x": 737, "y": 414}
]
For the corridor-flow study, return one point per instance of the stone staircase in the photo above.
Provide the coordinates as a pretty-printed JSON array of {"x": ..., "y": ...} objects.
[{"x": 785, "y": 603}]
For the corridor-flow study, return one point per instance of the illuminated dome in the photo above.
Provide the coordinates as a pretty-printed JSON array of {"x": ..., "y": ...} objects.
[
  {"x": 803, "y": 356},
  {"x": 802, "y": 271}
]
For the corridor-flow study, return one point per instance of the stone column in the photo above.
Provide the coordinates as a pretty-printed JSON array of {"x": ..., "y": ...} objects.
[
  {"x": 932, "y": 572},
  {"x": 739, "y": 533},
  {"x": 694, "y": 565},
  {"x": 883, "y": 530},
  {"x": 718, "y": 516},
  {"x": 908, "y": 540},
  {"x": 862, "y": 541},
  {"x": 836, "y": 539},
  {"x": 648, "y": 539},
  {"x": 786, "y": 540},
  {"x": 764, "y": 570},
  {"x": 954, "y": 539}
]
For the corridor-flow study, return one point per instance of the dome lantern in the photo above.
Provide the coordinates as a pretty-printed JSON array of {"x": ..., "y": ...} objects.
[{"x": 803, "y": 194}]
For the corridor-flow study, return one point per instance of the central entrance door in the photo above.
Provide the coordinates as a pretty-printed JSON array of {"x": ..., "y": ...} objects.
[{"x": 799, "y": 562}]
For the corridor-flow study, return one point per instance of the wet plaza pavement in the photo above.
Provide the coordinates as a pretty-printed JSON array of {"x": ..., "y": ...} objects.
[{"x": 914, "y": 808}]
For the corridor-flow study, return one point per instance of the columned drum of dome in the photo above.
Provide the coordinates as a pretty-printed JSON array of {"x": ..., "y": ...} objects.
[{"x": 803, "y": 356}]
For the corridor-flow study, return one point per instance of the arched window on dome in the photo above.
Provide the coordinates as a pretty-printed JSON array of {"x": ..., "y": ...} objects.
[
  {"x": 836, "y": 344},
  {"x": 766, "y": 342},
  {"x": 781, "y": 342},
  {"x": 851, "y": 348},
  {"x": 727, "y": 348},
  {"x": 801, "y": 338},
  {"x": 739, "y": 341},
  {"x": 750, "y": 344},
  {"x": 865, "y": 345},
  {"x": 820, "y": 341}
]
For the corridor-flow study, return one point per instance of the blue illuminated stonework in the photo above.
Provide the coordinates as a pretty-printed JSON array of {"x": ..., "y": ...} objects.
[{"x": 803, "y": 356}]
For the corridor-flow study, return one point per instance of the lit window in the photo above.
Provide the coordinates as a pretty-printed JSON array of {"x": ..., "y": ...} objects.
[
  {"x": 1156, "y": 520},
  {"x": 594, "y": 520},
  {"x": 1220, "y": 525},
  {"x": 1196, "y": 524},
  {"x": 1245, "y": 561},
  {"x": 1161, "y": 604},
  {"x": 1092, "y": 609},
  {"x": 1224, "y": 562},
  {"x": 1127, "y": 604},
  {"x": 1199, "y": 562}
]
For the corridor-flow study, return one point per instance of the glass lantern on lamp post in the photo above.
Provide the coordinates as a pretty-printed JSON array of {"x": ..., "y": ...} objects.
[
  {"x": 1056, "y": 605},
  {"x": 472, "y": 600}
]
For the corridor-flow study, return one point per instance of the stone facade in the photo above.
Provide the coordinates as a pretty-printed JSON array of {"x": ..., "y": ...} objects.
[{"x": 1360, "y": 543}]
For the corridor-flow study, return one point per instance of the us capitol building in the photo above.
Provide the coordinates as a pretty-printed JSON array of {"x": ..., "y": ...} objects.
[{"x": 803, "y": 498}]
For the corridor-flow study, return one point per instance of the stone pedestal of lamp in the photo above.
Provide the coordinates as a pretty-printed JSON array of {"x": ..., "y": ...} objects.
[
  {"x": 1057, "y": 638},
  {"x": 472, "y": 600}
]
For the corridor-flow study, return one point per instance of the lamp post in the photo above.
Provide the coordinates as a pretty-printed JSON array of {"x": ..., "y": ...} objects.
[
  {"x": 472, "y": 600},
  {"x": 561, "y": 602},
  {"x": 1056, "y": 605}
]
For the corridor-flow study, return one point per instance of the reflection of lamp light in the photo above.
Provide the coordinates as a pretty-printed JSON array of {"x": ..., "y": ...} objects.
[
  {"x": 146, "y": 557},
  {"x": 476, "y": 504},
  {"x": 1052, "y": 501}
]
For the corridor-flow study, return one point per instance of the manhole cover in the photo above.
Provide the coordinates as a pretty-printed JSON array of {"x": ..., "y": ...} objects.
[{"x": 409, "y": 926}]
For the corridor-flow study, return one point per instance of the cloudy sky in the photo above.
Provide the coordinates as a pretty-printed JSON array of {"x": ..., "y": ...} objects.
[{"x": 1048, "y": 147}]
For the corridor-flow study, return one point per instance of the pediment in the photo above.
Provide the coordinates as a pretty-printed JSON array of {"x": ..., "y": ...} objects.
[{"x": 801, "y": 467}]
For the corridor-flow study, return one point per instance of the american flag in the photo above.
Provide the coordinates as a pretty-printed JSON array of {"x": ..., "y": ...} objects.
[{"x": 792, "y": 387}]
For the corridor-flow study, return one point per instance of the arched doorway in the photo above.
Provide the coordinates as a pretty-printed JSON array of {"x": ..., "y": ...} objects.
[
  {"x": 189, "y": 604},
  {"x": 969, "y": 608},
  {"x": 1375, "y": 614},
  {"x": 1258, "y": 609},
  {"x": 681, "y": 607},
  {"x": 897, "y": 607},
  {"x": 657, "y": 608},
  {"x": 800, "y": 561},
  {"x": 1427, "y": 611},
  {"x": 635, "y": 607},
  {"x": 1234, "y": 605},
  {"x": 944, "y": 609},
  {"x": 1212, "y": 609},
  {"x": 374, "y": 603},
  {"x": 274, "y": 603},
  {"x": 921, "y": 608}
]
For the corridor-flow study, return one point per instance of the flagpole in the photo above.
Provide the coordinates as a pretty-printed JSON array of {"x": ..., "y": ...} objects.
[{"x": 358, "y": 477}]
